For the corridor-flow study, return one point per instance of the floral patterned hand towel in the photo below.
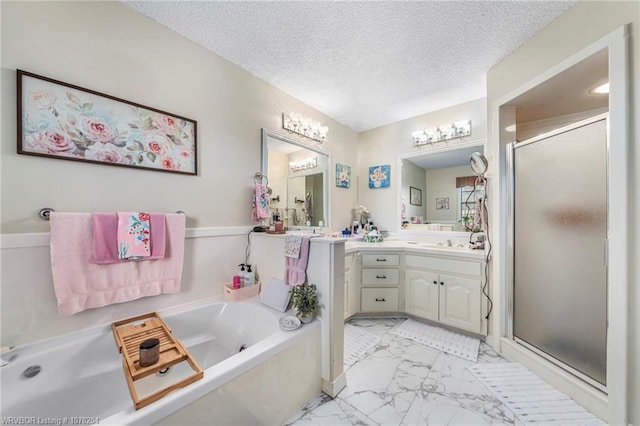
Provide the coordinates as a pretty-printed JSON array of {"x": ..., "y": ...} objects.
[
  {"x": 292, "y": 246},
  {"x": 134, "y": 238}
]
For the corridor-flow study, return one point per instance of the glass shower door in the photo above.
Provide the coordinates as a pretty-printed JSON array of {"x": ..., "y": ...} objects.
[{"x": 560, "y": 229}]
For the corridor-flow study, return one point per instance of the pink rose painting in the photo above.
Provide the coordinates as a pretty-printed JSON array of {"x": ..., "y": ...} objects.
[{"x": 64, "y": 121}]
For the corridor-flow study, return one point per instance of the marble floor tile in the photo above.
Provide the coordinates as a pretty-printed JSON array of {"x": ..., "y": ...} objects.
[
  {"x": 487, "y": 355},
  {"x": 377, "y": 326},
  {"x": 399, "y": 381},
  {"x": 430, "y": 408},
  {"x": 323, "y": 410},
  {"x": 450, "y": 378},
  {"x": 384, "y": 383}
]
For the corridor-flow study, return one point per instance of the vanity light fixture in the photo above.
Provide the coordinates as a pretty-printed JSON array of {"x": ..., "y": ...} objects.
[
  {"x": 442, "y": 133},
  {"x": 304, "y": 126},
  {"x": 307, "y": 163}
]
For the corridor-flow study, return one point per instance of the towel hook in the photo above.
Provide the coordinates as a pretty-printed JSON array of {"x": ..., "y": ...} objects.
[
  {"x": 261, "y": 177},
  {"x": 45, "y": 212}
]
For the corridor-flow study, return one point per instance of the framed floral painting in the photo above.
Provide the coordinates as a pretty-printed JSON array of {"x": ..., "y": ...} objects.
[
  {"x": 343, "y": 175},
  {"x": 64, "y": 121},
  {"x": 379, "y": 176},
  {"x": 415, "y": 196}
]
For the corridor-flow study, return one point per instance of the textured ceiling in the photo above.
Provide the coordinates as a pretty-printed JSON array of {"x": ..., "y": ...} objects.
[{"x": 363, "y": 63}]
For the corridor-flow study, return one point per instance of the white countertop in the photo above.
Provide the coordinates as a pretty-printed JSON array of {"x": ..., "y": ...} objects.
[{"x": 414, "y": 247}]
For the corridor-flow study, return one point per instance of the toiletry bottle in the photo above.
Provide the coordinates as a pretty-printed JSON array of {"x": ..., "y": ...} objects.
[
  {"x": 242, "y": 274},
  {"x": 250, "y": 277}
]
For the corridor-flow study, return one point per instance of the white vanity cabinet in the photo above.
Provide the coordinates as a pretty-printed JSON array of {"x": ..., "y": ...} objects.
[
  {"x": 443, "y": 289},
  {"x": 351, "y": 284},
  {"x": 380, "y": 282}
]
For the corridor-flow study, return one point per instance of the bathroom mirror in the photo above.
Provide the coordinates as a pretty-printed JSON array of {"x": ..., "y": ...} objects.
[
  {"x": 298, "y": 177},
  {"x": 435, "y": 187}
]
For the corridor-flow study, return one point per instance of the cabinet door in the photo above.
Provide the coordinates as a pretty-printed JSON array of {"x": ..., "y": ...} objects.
[
  {"x": 460, "y": 302},
  {"x": 421, "y": 294}
]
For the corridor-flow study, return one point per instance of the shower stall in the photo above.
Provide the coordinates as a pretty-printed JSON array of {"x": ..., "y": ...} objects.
[{"x": 558, "y": 237}]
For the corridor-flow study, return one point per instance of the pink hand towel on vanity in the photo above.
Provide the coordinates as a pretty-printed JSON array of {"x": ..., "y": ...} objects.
[
  {"x": 105, "y": 240},
  {"x": 296, "y": 269},
  {"x": 80, "y": 284}
]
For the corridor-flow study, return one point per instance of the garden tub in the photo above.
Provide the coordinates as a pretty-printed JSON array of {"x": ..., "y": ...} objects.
[{"x": 81, "y": 378}]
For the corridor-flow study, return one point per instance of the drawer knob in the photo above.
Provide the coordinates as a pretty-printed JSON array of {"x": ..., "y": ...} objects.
[
  {"x": 381, "y": 260},
  {"x": 381, "y": 277},
  {"x": 435, "y": 282},
  {"x": 441, "y": 283},
  {"x": 381, "y": 300}
]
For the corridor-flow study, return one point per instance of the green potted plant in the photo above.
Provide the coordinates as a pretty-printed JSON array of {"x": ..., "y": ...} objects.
[{"x": 305, "y": 301}]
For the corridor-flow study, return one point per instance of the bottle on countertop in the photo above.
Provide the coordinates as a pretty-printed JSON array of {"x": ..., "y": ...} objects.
[
  {"x": 250, "y": 277},
  {"x": 242, "y": 274},
  {"x": 237, "y": 282}
]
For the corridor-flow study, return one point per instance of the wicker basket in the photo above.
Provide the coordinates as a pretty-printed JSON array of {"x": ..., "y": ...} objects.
[{"x": 235, "y": 294}]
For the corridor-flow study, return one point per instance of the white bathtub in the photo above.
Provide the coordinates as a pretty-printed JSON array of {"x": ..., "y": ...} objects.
[{"x": 82, "y": 377}]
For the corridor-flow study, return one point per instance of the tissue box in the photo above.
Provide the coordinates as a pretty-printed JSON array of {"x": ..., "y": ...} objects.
[{"x": 373, "y": 238}]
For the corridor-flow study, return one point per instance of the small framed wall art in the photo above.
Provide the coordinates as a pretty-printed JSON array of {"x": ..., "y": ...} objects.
[
  {"x": 64, "y": 121},
  {"x": 415, "y": 196},
  {"x": 343, "y": 175},
  {"x": 379, "y": 176},
  {"x": 442, "y": 203}
]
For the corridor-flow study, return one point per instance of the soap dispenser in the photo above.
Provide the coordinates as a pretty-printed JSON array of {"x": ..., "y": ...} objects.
[
  {"x": 250, "y": 277},
  {"x": 242, "y": 274}
]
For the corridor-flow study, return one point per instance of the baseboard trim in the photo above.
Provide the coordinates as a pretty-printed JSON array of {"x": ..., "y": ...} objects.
[{"x": 333, "y": 388}]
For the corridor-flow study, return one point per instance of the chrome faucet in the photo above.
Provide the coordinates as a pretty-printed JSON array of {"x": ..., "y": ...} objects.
[{"x": 11, "y": 356}]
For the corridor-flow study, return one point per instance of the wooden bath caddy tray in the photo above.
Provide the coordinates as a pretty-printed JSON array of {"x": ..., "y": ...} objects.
[{"x": 129, "y": 333}]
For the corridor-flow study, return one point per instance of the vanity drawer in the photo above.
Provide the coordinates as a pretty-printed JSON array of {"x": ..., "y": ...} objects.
[
  {"x": 380, "y": 276},
  {"x": 444, "y": 265},
  {"x": 380, "y": 259},
  {"x": 379, "y": 300}
]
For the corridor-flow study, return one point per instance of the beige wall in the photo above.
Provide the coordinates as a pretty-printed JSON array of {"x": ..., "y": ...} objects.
[
  {"x": 384, "y": 144},
  {"x": 583, "y": 24},
  {"x": 442, "y": 183},
  {"x": 110, "y": 48},
  {"x": 415, "y": 176}
]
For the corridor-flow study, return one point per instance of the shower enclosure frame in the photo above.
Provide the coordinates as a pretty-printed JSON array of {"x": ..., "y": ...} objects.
[
  {"x": 615, "y": 407},
  {"x": 510, "y": 289}
]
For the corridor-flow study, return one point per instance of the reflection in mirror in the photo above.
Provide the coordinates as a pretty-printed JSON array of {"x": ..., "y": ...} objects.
[
  {"x": 297, "y": 175},
  {"x": 437, "y": 191}
]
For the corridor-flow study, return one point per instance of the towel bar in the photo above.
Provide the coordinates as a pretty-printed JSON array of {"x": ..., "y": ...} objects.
[
  {"x": 261, "y": 177},
  {"x": 45, "y": 212}
]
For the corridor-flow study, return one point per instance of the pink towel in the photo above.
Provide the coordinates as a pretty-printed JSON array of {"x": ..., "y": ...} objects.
[
  {"x": 260, "y": 208},
  {"x": 295, "y": 272},
  {"x": 105, "y": 241},
  {"x": 81, "y": 285}
]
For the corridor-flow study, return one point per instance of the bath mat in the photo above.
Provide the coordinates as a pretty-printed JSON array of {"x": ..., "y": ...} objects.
[
  {"x": 529, "y": 397},
  {"x": 356, "y": 343},
  {"x": 457, "y": 344}
]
